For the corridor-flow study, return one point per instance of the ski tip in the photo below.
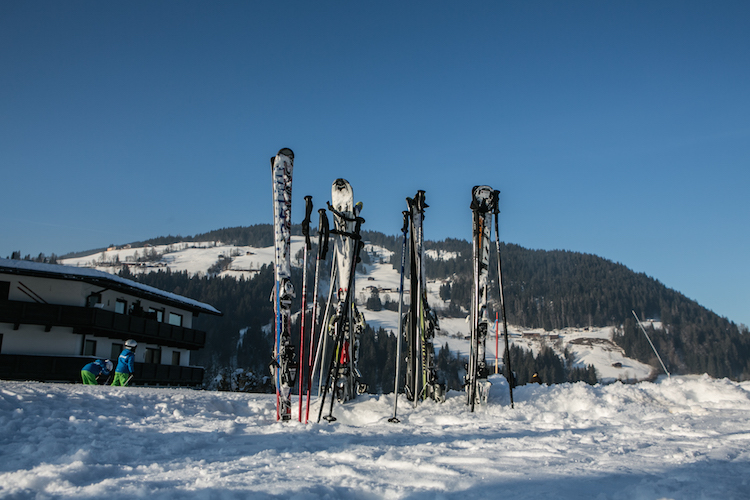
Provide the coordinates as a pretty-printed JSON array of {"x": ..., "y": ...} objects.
[
  {"x": 286, "y": 152},
  {"x": 482, "y": 198}
]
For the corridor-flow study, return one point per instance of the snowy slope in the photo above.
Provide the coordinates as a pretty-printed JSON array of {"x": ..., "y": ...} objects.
[
  {"x": 192, "y": 257},
  {"x": 678, "y": 438},
  {"x": 589, "y": 346}
]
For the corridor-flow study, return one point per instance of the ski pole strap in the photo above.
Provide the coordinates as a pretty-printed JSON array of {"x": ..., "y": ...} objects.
[
  {"x": 406, "y": 222},
  {"x": 496, "y": 204},
  {"x": 419, "y": 201},
  {"x": 323, "y": 232},
  {"x": 355, "y": 235},
  {"x": 306, "y": 222},
  {"x": 341, "y": 214}
]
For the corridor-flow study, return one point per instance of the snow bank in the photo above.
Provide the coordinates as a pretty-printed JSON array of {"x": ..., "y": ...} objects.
[{"x": 684, "y": 437}]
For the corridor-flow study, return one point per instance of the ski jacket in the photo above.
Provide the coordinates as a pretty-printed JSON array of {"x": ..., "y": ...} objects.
[
  {"x": 96, "y": 368},
  {"x": 126, "y": 362}
]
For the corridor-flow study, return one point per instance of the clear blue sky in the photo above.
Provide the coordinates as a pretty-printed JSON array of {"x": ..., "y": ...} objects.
[{"x": 618, "y": 128}]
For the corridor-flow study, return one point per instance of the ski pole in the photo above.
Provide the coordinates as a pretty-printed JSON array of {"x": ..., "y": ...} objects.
[
  {"x": 497, "y": 341},
  {"x": 320, "y": 355},
  {"x": 322, "y": 251},
  {"x": 404, "y": 231},
  {"x": 652, "y": 344},
  {"x": 511, "y": 378},
  {"x": 345, "y": 313},
  {"x": 471, "y": 389},
  {"x": 308, "y": 245}
]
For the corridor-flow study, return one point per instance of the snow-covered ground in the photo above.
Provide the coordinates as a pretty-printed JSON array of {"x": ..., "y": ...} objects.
[{"x": 679, "y": 438}]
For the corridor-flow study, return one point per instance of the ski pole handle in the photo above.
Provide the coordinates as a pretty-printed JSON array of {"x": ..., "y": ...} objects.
[
  {"x": 323, "y": 230},
  {"x": 306, "y": 222}
]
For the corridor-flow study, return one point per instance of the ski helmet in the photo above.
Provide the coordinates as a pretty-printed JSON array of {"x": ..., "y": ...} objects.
[
  {"x": 131, "y": 344},
  {"x": 108, "y": 364}
]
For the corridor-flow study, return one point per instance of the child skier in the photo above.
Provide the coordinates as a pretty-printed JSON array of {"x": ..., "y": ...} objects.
[
  {"x": 125, "y": 364},
  {"x": 92, "y": 371}
]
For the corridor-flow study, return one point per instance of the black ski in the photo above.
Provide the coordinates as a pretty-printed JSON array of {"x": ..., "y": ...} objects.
[
  {"x": 422, "y": 323},
  {"x": 482, "y": 207}
]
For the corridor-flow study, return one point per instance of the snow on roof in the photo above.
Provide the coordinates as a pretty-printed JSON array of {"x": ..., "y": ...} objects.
[{"x": 88, "y": 275}]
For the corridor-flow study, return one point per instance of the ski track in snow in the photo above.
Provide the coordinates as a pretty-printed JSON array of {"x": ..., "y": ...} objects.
[{"x": 683, "y": 438}]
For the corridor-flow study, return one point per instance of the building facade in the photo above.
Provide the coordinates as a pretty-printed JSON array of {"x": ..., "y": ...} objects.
[{"x": 54, "y": 319}]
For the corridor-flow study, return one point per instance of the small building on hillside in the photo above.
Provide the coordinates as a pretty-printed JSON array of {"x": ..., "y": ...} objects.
[{"x": 54, "y": 319}]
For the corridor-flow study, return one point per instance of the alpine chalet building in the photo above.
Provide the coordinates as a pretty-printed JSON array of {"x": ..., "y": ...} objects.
[{"x": 54, "y": 319}]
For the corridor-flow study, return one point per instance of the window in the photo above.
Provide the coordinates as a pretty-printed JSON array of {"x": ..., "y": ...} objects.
[
  {"x": 4, "y": 290},
  {"x": 121, "y": 306},
  {"x": 159, "y": 314},
  {"x": 93, "y": 299},
  {"x": 175, "y": 319},
  {"x": 116, "y": 350},
  {"x": 152, "y": 356},
  {"x": 89, "y": 348},
  {"x": 176, "y": 358}
]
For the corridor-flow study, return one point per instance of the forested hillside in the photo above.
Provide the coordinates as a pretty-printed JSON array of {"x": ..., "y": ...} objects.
[
  {"x": 558, "y": 289},
  {"x": 543, "y": 289}
]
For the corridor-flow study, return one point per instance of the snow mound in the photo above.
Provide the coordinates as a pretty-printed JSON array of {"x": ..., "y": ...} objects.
[{"x": 682, "y": 437}]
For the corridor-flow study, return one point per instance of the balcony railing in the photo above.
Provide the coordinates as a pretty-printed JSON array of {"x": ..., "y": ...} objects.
[
  {"x": 68, "y": 369},
  {"x": 95, "y": 321}
]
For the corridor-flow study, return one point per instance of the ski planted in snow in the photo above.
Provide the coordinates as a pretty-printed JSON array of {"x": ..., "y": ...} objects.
[
  {"x": 346, "y": 323},
  {"x": 284, "y": 365},
  {"x": 482, "y": 207},
  {"x": 421, "y": 321}
]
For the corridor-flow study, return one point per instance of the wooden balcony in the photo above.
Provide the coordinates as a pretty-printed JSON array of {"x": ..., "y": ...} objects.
[{"x": 101, "y": 323}]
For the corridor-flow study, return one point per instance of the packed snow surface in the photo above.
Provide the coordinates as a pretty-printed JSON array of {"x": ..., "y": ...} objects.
[{"x": 684, "y": 437}]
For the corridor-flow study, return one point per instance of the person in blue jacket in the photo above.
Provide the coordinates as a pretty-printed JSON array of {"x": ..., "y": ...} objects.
[
  {"x": 91, "y": 372},
  {"x": 125, "y": 364}
]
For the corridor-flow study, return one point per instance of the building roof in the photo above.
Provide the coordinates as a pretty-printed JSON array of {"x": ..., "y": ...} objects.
[{"x": 100, "y": 278}]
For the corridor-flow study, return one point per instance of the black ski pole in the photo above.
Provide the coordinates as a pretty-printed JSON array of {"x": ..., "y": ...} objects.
[
  {"x": 404, "y": 230},
  {"x": 511, "y": 378},
  {"x": 344, "y": 314},
  {"x": 322, "y": 251},
  {"x": 345, "y": 320}
]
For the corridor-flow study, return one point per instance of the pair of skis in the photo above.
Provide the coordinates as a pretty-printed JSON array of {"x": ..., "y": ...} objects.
[
  {"x": 484, "y": 204},
  {"x": 420, "y": 323},
  {"x": 285, "y": 363},
  {"x": 342, "y": 321},
  {"x": 344, "y": 325}
]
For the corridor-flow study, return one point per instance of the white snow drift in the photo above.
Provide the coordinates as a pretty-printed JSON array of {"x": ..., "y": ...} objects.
[{"x": 682, "y": 438}]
